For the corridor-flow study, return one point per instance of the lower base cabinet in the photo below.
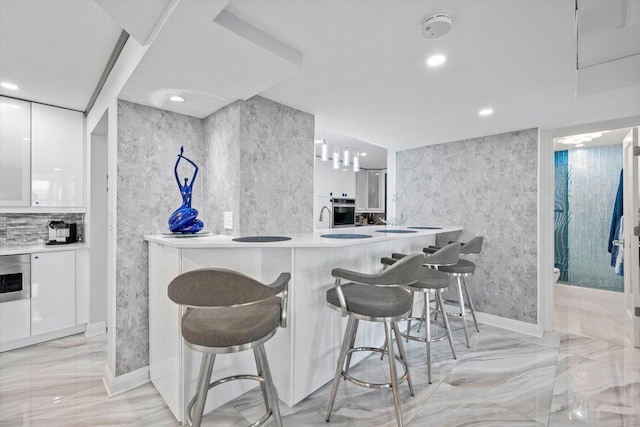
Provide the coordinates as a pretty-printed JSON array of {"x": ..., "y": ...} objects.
[
  {"x": 53, "y": 291},
  {"x": 15, "y": 321}
]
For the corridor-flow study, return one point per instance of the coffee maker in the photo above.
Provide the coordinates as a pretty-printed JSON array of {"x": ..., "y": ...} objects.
[{"x": 61, "y": 232}]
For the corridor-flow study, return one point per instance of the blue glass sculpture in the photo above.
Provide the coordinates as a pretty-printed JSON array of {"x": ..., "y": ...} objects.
[{"x": 185, "y": 220}]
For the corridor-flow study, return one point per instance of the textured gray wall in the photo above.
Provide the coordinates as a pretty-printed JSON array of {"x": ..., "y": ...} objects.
[
  {"x": 259, "y": 157},
  {"x": 256, "y": 160},
  {"x": 222, "y": 171},
  {"x": 489, "y": 186},
  {"x": 148, "y": 143},
  {"x": 276, "y": 184}
]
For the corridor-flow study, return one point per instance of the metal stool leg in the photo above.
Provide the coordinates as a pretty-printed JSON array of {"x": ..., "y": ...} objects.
[
  {"x": 393, "y": 373},
  {"x": 446, "y": 322},
  {"x": 351, "y": 343},
  {"x": 403, "y": 354},
  {"x": 272, "y": 393},
  {"x": 424, "y": 313},
  {"x": 351, "y": 329},
  {"x": 471, "y": 307},
  {"x": 202, "y": 387},
  {"x": 462, "y": 312},
  {"x": 427, "y": 322},
  {"x": 263, "y": 386},
  {"x": 409, "y": 321}
]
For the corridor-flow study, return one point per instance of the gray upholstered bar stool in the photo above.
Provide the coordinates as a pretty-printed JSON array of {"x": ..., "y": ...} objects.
[
  {"x": 228, "y": 312},
  {"x": 376, "y": 297},
  {"x": 431, "y": 282},
  {"x": 462, "y": 269}
]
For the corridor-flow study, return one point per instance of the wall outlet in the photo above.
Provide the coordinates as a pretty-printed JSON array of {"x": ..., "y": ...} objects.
[{"x": 228, "y": 220}]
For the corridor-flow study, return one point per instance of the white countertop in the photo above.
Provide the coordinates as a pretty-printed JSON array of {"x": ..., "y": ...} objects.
[
  {"x": 30, "y": 249},
  {"x": 310, "y": 239}
]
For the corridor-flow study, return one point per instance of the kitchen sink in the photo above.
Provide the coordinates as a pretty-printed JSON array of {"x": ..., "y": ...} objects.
[
  {"x": 261, "y": 239},
  {"x": 426, "y": 228},
  {"x": 346, "y": 236},
  {"x": 396, "y": 231}
]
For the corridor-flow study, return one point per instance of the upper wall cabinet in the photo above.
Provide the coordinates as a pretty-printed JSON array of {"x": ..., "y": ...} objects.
[
  {"x": 329, "y": 182},
  {"x": 57, "y": 172},
  {"x": 15, "y": 152},
  {"x": 41, "y": 156},
  {"x": 371, "y": 190}
]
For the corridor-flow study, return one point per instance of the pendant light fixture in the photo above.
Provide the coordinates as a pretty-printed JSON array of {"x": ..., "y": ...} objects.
[
  {"x": 336, "y": 159},
  {"x": 356, "y": 163},
  {"x": 325, "y": 151},
  {"x": 345, "y": 156}
]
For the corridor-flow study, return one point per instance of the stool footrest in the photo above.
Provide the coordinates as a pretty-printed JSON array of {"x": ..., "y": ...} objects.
[
  {"x": 260, "y": 422},
  {"x": 467, "y": 307},
  {"x": 377, "y": 386},
  {"x": 435, "y": 338}
]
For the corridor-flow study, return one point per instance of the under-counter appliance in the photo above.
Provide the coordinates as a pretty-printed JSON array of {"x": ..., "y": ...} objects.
[
  {"x": 15, "y": 277},
  {"x": 343, "y": 213},
  {"x": 61, "y": 232}
]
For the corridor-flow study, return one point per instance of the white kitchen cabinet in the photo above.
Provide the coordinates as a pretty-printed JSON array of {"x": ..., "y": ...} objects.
[
  {"x": 361, "y": 191},
  {"x": 329, "y": 182},
  {"x": 53, "y": 291},
  {"x": 57, "y": 157},
  {"x": 371, "y": 190},
  {"x": 15, "y": 320},
  {"x": 15, "y": 152}
]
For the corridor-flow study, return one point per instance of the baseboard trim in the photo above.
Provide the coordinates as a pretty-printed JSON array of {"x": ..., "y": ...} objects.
[
  {"x": 37, "y": 339},
  {"x": 532, "y": 329},
  {"x": 94, "y": 329},
  {"x": 124, "y": 383}
]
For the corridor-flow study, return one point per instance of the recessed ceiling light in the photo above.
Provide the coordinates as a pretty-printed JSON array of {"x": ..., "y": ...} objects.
[
  {"x": 435, "y": 60},
  {"x": 318, "y": 141},
  {"x": 579, "y": 145},
  {"x": 363, "y": 154},
  {"x": 9, "y": 86},
  {"x": 176, "y": 98},
  {"x": 485, "y": 112}
]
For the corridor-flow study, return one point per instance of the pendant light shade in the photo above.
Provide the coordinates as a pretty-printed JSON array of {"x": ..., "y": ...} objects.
[
  {"x": 345, "y": 157},
  {"x": 336, "y": 159},
  {"x": 356, "y": 163},
  {"x": 325, "y": 151}
]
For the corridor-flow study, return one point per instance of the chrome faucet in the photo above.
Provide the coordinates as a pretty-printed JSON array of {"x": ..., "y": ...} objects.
[{"x": 322, "y": 212}]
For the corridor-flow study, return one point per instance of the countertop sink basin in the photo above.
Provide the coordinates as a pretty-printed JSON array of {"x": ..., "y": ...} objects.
[
  {"x": 396, "y": 231},
  {"x": 261, "y": 239},
  {"x": 346, "y": 236},
  {"x": 426, "y": 228}
]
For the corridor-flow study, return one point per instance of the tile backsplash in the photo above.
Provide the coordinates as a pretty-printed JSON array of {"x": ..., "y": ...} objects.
[{"x": 31, "y": 229}]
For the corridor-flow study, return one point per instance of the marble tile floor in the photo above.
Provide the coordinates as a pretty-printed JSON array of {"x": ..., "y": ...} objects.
[{"x": 505, "y": 378}]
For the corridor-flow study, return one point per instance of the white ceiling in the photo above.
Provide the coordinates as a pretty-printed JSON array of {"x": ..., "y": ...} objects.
[
  {"x": 608, "y": 137},
  {"x": 55, "y": 51},
  {"x": 360, "y": 71}
]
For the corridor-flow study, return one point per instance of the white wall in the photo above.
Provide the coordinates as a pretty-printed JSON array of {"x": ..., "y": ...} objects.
[{"x": 98, "y": 230}]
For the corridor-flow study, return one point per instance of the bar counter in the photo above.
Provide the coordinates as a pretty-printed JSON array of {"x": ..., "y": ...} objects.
[{"x": 303, "y": 355}]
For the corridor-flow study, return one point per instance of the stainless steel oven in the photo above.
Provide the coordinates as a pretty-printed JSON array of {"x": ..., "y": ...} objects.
[
  {"x": 344, "y": 213},
  {"x": 15, "y": 277}
]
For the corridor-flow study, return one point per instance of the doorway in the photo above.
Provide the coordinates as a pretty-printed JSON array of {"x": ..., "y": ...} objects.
[
  {"x": 583, "y": 310},
  {"x": 98, "y": 228},
  {"x": 587, "y": 196}
]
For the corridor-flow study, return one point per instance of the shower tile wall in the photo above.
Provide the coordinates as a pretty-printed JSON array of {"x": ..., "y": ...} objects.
[
  {"x": 594, "y": 175},
  {"x": 561, "y": 213},
  {"x": 31, "y": 229}
]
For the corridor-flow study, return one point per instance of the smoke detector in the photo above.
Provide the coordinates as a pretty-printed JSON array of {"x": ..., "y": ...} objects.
[{"x": 436, "y": 26}]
